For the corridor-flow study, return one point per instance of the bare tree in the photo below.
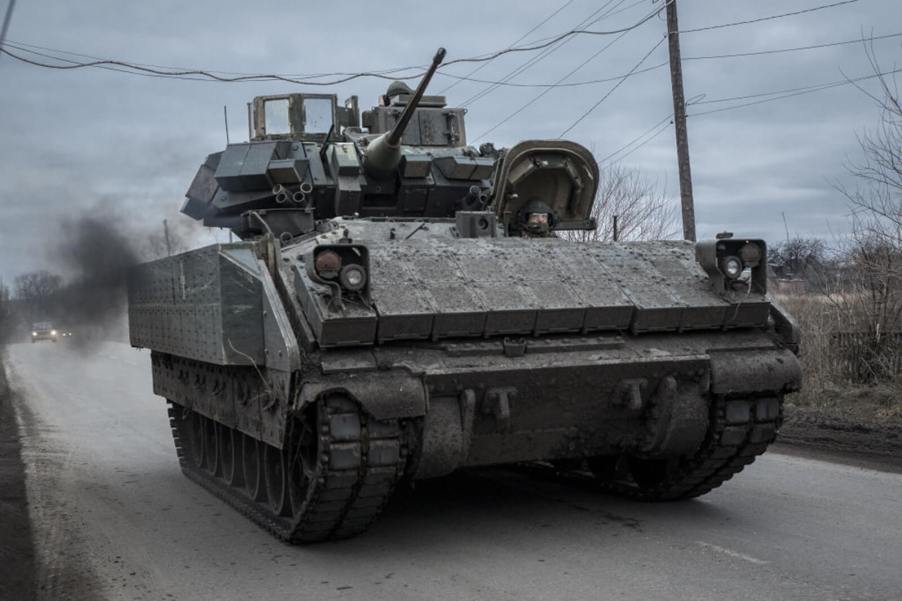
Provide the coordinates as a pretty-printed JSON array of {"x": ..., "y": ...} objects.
[
  {"x": 641, "y": 209},
  {"x": 876, "y": 199},
  {"x": 36, "y": 290},
  {"x": 868, "y": 299},
  {"x": 37, "y": 286},
  {"x": 799, "y": 257}
]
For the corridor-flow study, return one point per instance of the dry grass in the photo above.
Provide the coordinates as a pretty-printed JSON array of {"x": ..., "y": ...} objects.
[{"x": 831, "y": 372}]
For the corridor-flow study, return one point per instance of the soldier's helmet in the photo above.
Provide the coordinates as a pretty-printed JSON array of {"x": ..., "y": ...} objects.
[
  {"x": 396, "y": 88},
  {"x": 536, "y": 218}
]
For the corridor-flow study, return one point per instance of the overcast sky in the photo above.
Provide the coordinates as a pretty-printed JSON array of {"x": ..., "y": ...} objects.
[{"x": 94, "y": 140}]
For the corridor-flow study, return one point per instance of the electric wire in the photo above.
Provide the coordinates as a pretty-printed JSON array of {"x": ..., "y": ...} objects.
[
  {"x": 663, "y": 122},
  {"x": 762, "y": 98},
  {"x": 517, "y": 41},
  {"x": 296, "y": 80},
  {"x": 29, "y": 49},
  {"x": 560, "y": 80},
  {"x": 648, "y": 140},
  {"x": 613, "y": 88},
  {"x": 792, "y": 49},
  {"x": 768, "y": 18},
  {"x": 392, "y": 73},
  {"x": 532, "y": 61}
]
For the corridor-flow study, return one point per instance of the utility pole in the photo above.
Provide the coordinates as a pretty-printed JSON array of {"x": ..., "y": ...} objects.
[
  {"x": 679, "y": 118},
  {"x": 6, "y": 20}
]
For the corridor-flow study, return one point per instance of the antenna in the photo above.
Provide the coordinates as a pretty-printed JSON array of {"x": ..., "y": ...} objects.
[
  {"x": 225, "y": 116},
  {"x": 322, "y": 151},
  {"x": 166, "y": 236},
  {"x": 249, "y": 132}
]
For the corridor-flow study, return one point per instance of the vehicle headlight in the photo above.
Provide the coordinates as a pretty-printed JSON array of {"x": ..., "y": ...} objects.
[
  {"x": 327, "y": 264},
  {"x": 353, "y": 277},
  {"x": 34, "y": 333},
  {"x": 731, "y": 267},
  {"x": 750, "y": 253},
  {"x": 53, "y": 332}
]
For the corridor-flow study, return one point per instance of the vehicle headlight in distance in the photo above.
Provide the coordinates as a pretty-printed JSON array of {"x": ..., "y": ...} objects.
[
  {"x": 353, "y": 277},
  {"x": 731, "y": 267},
  {"x": 34, "y": 333},
  {"x": 53, "y": 332}
]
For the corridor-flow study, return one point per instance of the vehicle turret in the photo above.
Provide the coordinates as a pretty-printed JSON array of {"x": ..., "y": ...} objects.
[{"x": 383, "y": 155}]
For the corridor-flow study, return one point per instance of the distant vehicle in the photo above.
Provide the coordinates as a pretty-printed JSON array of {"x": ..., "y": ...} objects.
[
  {"x": 43, "y": 330},
  {"x": 66, "y": 333}
]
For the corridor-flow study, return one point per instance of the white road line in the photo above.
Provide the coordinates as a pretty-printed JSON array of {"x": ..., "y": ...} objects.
[{"x": 731, "y": 553}]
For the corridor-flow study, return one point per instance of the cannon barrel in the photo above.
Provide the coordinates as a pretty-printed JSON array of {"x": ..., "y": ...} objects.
[{"x": 384, "y": 153}]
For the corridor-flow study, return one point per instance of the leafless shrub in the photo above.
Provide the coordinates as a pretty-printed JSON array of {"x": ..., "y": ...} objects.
[
  {"x": 867, "y": 297},
  {"x": 36, "y": 290},
  {"x": 852, "y": 322},
  {"x": 642, "y": 210},
  {"x": 798, "y": 257}
]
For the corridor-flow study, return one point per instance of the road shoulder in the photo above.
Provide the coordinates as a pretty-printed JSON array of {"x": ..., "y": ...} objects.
[
  {"x": 849, "y": 438},
  {"x": 17, "y": 557}
]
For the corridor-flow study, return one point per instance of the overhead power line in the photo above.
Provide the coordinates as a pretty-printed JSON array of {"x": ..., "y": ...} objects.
[
  {"x": 541, "y": 94},
  {"x": 30, "y": 48},
  {"x": 564, "y": 35},
  {"x": 639, "y": 141},
  {"x": 190, "y": 73},
  {"x": 532, "y": 61},
  {"x": 70, "y": 65},
  {"x": 613, "y": 88},
  {"x": 758, "y": 98},
  {"x": 792, "y": 49},
  {"x": 768, "y": 18},
  {"x": 764, "y": 97},
  {"x": 517, "y": 41}
]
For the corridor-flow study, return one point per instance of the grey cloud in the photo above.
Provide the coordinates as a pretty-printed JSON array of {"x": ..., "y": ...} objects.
[{"x": 71, "y": 142}]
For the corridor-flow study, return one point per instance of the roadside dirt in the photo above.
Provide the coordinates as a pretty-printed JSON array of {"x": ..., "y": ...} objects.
[
  {"x": 854, "y": 431},
  {"x": 17, "y": 558}
]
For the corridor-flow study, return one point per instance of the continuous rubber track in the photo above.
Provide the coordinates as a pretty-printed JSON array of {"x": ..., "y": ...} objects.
[
  {"x": 359, "y": 461},
  {"x": 740, "y": 431}
]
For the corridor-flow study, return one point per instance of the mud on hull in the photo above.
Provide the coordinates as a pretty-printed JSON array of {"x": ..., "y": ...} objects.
[{"x": 655, "y": 418}]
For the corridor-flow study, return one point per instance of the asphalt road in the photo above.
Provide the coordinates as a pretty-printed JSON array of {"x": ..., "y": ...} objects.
[{"x": 114, "y": 518}]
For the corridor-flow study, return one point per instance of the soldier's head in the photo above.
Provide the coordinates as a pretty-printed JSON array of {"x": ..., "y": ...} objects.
[
  {"x": 395, "y": 88},
  {"x": 536, "y": 219}
]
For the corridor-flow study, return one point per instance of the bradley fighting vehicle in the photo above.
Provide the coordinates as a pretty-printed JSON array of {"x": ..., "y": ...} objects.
[{"x": 402, "y": 305}]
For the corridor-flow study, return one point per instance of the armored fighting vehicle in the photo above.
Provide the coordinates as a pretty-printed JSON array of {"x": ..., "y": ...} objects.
[{"x": 401, "y": 305}]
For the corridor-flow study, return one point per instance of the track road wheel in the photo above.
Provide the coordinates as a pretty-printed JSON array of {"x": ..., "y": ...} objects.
[
  {"x": 304, "y": 457},
  {"x": 251, "y": 468},
  {"x": 275, "y": 475},
  {"x": 196, "y": 434},
  {"x": 336, "y": 471},
  {"x": 229, "y": 455},
  {"x": 211, "y": 446},
  {"x": 343, "y": 468}
]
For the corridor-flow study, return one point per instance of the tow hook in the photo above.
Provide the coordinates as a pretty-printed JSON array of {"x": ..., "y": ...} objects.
[{"x": 497, "y": 403}]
